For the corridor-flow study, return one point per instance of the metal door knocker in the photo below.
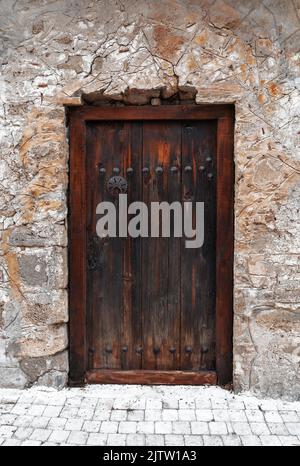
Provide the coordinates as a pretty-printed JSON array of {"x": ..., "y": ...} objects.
[{"x": 117, "y": 185}]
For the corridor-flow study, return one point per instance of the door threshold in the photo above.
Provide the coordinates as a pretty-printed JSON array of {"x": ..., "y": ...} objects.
[{"x": 148, "y": 377}]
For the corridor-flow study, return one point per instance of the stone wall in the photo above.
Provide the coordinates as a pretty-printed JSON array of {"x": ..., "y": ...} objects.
[{"x": 57, "y": 53}]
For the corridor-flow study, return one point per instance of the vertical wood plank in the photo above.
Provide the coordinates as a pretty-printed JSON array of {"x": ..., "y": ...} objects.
[
  {"x": 198, "y": 265},
  {"x": 161, "y": 257},
  {"x": 225, "y": 235},
  {"x": 114, "y": 322},
  {"x": 104, "y": 143},
  {"x": 77, "y": 251},
  {"x": 131, "y": 326}
]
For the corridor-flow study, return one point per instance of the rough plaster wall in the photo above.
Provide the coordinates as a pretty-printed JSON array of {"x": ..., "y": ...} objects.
[{"x": 239, "y": 51}]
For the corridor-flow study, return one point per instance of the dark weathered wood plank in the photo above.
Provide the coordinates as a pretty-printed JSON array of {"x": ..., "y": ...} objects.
[
  {"x": 198, "y": 265},
  {"x": 224, "y": 250},
  {"x": 131, "y": 358},
  {"x": 163, "y": 112},
  {"x": 160, "y": 275},
  {"x": 77, "y": 252},
  {"x": 145, "y": 377},
  {"x": 105, "y": 151}
]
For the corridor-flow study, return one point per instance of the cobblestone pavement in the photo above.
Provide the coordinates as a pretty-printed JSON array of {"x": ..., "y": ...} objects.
[{"x": 136, "y": 415}]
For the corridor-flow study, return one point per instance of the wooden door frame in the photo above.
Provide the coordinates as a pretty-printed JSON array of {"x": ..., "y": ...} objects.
[{"x": 224, "y": 114}]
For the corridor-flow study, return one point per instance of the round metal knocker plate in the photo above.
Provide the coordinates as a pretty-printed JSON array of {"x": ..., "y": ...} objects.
[{"x": 117, "y": 185}]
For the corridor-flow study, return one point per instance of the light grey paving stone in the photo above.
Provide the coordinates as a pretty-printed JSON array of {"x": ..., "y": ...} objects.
[
  {"x": 97, "y": 439},
  {"x": 50, "y": 444},
  {"x": 251, "y": 402},
  {"x": 204, "y": 415},
  {"x": 52, "y": 411},
  {"x": 236, "y": 405},
  {"x": 118, "y": 415},
  {"x": 155, "y": 440},
  {"x": 241, "y": 428},
  {"x": 169, "y": 415},
  {"x": 74, "y": 424},
  {"x": 7, "y": 419},
  {"x": 212, "y": 440},
  {"x": 106, "y": 403},
  {"x": 39, "y": 399},
  {"x": 20, "y": 409},
  {"x": 174, "y": 440},
  {"x": 293, "y": 428},
  {"x": 85, "y": 413},
  {"x": 289, "y": 416},
  {"x": 277, "y": 428},
  {"x": 145, "y": 427},
  {"x": 23, "y": 421},
  {"x": 237, "y": 415},
  {"x": 186, "y": 404},
  {"x": 127, "y": 427},
  {"x": 217, "y": 428},
  {"x": 41, "y": 434},
  {"x": 40, "y": 422},
  {"x": 230, "y": 428},
  {"x": 203, "y": 403},
  {"x": 193, "y": 440},
  {"x": 7, "y": 431},
  {"x": 136, "y": 415},
  {"x": 6, "y": 409},
  {"x": 289, "y": 440},
  {"x": 109, "y": 427},
  {"x": 259, "y": 428},
  {"x": 36, "y": 410},
  {"x": 268, "y": 405},
  {"x": 138, "y": 403},
  {"x": 273, "y": 416},
  {"x": 23, "y": 433},
  {"x": 220, "y": 415},
  {"x": 199, "y": 428},
  {"x": 163, "y": 427},
  {"x": 69, "y": 412},
  {"x": 11, "y": 442},
  {"x": 116, "y": 439},
  {"x": 103, "y": 415},
  {"x": 121, "y": 403},
  {"x": 231, "y": 440},
  {"x": 254, "y": 415},
  {"x": 89, "y": 403},
  {"x": 250, "y": 440},
  {"x": 153, "y": 415},
  {"x": 154, "y": 404},
  {"x": 31, "y": 443},
  {"x": 59, "y": 436},
  {"x": 57, "y": 423},
  {"x": 92, "y": 426},
  {"x": 135, "y": 439},
  {"x": 270, "y": 440},
  {"x": 74, "y": 402},
  {"x": 170, "y": 403},
  {"x": 181, "y": 427},
  {"x": 59, "y": 401},
  {"x": 9, "y": 396},
  {"x": 219, "y": 404},
  {"x": 77, "y": 438},
  {"x": 186, "y": 415}
]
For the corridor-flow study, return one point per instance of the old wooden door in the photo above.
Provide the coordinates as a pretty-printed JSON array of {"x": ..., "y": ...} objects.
[{"x": 150, "y": 310}]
